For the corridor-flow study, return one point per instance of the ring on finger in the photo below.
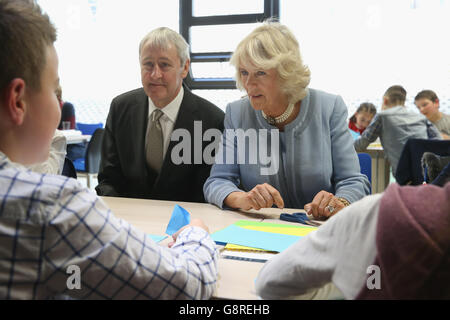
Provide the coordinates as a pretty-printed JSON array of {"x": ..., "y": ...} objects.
[{"x": 330, "y": 209}]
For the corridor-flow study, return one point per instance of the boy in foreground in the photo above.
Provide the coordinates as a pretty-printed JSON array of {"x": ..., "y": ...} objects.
[{"x": 49, "y": 224}]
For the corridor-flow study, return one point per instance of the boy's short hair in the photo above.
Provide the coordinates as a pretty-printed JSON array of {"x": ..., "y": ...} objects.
[
  {"x": 396, "y": 95},
  {"x": 25, "y": 32},
  {"x": 427, "y": 94}
]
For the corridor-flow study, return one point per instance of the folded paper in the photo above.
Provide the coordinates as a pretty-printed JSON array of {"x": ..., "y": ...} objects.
[{"x": 180, "y": 218}]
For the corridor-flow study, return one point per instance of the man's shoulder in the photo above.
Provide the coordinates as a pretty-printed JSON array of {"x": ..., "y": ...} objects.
[
  {"x": 130, "y": 96},
  {"x": 129, "y": 103}
]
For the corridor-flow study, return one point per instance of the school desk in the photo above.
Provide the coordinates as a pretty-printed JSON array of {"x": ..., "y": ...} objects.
[
  {"x": 75, "y": 136},
  {"x": 236, "y": 278}
]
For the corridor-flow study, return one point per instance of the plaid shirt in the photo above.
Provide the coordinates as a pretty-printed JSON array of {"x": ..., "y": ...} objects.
[{"x": 49, "y": 223}]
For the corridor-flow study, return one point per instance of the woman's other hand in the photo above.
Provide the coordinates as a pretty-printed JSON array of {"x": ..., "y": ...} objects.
[{"x": 324, "y": 205}]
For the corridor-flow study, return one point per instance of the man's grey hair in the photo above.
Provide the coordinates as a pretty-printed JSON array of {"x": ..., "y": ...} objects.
[{"x": 163, "y": 38}]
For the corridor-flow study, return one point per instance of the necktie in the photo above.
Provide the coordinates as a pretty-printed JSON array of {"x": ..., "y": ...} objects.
[{"x": 154, "y": 148}]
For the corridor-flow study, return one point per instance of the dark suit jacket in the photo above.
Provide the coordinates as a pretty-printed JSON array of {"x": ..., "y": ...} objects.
[{"x": 123, "y": 169}]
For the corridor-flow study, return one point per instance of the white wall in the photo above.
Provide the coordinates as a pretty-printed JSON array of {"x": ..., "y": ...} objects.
[{"x": 355, "y": 48}]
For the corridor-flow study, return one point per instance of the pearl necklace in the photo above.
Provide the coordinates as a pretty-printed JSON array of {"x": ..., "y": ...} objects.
[{"x": 280, "y": 119}]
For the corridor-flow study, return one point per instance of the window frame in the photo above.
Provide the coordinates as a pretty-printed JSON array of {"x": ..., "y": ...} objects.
[{"x": 187, "y": 20}]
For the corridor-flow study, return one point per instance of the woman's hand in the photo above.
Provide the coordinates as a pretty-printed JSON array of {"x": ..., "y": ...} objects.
[
  {"x": 261, "y": 196},
  {"x": 324, "y": 205}
]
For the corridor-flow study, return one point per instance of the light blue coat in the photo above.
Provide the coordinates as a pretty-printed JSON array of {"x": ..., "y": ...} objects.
[{"x": 316, "y": 154}]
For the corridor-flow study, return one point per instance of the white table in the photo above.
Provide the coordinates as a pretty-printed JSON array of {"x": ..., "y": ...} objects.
[{"x": 75, "y": 136}]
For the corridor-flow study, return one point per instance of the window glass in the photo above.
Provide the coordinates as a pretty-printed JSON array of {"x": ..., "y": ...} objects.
[
  {"x": 219, "y": 38},
  {"x": 219, "y": 7},
  {"x": 221, "y": 98},
  {"x": 212, "y": 70}
]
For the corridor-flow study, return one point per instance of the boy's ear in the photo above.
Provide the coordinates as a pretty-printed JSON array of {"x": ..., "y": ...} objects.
[{"x": 14, "y": 100}]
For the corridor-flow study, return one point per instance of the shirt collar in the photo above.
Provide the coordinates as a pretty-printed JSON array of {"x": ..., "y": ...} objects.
[
  {"x": 4, "y": 160},
  {"x": 171, "y": 110}
]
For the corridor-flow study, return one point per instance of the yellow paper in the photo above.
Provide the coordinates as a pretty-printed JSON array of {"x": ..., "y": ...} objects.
[
  {"x": 283, "y": 230},
  {"x": 290, "y": 231},
  {"x": 237, "y": 247}
]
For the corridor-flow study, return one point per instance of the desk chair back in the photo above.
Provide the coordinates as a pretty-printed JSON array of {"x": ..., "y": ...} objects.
[
  {"x": 93, "y": 152},
  {"x": 365, "y": 162},
  {"x": 88, "y": 128},
  {"x": 90, "y": 164}
]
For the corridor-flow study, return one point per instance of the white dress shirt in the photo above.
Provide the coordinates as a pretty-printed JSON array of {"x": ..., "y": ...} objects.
[{"x": 167, "y": 120}]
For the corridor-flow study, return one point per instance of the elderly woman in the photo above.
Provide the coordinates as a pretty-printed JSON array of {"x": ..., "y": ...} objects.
[{"x": 315, "y": 164}]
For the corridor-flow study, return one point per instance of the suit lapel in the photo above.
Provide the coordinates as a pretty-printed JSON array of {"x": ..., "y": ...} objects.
[{"x": 140, "y": 117}]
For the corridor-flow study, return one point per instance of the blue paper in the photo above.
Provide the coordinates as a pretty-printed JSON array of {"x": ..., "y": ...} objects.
[
  {"x": 180, "y": 218},
  {"x": 255, "y": 239},
  {"x": 157, "y": 238}
]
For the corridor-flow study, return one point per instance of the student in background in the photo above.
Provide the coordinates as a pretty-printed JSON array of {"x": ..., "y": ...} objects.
[
  {"x": 49, "y": 222},
  {"x": 394, "y": 245},
  {"x": 395, "y": 125},
  {"x": 362, "y": 117},
  {"x": 68, "y": 122},
  {"x": 428, "y": 104}
]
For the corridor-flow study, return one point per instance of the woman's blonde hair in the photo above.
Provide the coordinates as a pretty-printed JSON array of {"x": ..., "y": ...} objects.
[{"x": 273, "y": 46}]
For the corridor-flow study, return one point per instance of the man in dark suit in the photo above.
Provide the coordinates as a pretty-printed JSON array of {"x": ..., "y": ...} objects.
[{"x": 138, "y": 155}]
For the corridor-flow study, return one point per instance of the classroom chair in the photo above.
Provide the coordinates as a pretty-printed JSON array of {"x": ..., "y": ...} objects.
[
  {"x": 90, "y": 164},
  {"x": 88, "y": 128},
  {"x": 365, "y": 163},
  {"x": 69, "y": 169}
]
